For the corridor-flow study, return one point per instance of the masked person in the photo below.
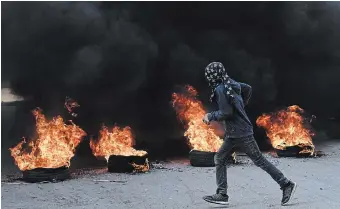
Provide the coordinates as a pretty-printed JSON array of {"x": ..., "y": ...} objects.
[{"x": 231, "y": 97}]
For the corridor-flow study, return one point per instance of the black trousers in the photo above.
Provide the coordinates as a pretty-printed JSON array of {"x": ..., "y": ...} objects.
[{"x": 250, "y": 147}]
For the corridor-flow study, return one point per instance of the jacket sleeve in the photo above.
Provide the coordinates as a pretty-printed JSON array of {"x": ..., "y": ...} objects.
[
  {"x": 225, "y": 109},
  {"x": 246, "y": 92}
]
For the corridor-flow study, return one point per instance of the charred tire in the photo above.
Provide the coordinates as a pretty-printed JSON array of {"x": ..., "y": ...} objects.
[
  {"x": 201, "y": 158},
  {"x": 46, "y": 174},
  {"x": 205, "y": 159},
  {"x": 293, "y": 151},
  {"x": 123, "y": 164}
]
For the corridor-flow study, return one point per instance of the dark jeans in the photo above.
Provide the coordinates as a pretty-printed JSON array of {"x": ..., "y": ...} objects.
[{"x": 250, "y": 147}]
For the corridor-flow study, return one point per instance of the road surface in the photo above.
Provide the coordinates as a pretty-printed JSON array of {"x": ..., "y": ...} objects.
[{"x": 180, "y": 186}]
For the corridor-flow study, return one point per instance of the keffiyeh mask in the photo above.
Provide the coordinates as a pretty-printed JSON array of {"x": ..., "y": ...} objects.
[{"x": 216, "y": 74}]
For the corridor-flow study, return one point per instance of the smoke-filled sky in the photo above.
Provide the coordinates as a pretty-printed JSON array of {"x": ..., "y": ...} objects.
[{"x": 122, "y": 61}]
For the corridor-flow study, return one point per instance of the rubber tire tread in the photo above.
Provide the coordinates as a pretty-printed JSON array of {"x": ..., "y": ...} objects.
[
  {"x": 204, "y": 159},
  {"x": 52, "y": 175},
  {"x": 122, "y": 164},
  {"x": 201, "y": 158}
]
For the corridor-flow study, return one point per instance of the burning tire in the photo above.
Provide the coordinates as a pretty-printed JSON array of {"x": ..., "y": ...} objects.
[
  {"x": 294, "y": 151},
  {"x": 127, "y": 164},
  {"x": 205, "y": 159},
  {"x": 46, "y": 174}
]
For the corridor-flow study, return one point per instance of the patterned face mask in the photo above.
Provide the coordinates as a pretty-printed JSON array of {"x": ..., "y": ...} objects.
[{"x": 215, "y": 74}]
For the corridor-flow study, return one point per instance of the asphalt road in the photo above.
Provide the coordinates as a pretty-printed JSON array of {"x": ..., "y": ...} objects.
[{"x": 179, "y": 185}]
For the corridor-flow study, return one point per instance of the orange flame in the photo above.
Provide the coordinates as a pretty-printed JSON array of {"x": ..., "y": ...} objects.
[
  {"x": 141, "y": 168},
  {"x": 54, "y": 146},
  {"x": 190, "y": 110},
  {"x": 285, "y": 129},
  {"x": 117, "y": 142}
]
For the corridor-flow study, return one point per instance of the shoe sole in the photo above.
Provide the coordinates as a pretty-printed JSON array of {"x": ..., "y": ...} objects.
[
  {"x": 217, "y": 202},
  {"x": 294, "y": 188}
]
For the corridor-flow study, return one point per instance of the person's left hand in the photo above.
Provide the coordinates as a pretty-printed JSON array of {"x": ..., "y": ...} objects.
[{"x": 206, "y": 119}]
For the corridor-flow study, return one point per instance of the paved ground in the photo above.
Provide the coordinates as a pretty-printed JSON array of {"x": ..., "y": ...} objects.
[{"x": 182, "y": 186}]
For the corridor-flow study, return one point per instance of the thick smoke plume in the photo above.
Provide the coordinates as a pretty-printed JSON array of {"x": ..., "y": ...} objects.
[{"x": 121, "y": 61}]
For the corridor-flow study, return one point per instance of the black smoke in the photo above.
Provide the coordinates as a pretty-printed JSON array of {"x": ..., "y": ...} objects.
[{"x": 121, "y": 61}]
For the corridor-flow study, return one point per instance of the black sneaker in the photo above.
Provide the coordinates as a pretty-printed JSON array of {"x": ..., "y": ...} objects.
[
  {"x": 217, "y": 199},
  {"x": 288, "y": 192}
]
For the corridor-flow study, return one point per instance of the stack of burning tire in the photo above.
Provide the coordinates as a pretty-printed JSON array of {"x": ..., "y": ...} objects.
[
  {"x": 202, "y": 138},
  {"x": 116, "y": 147},
  {"x": 288, "y": 132},
  {"x": 47, "y": 157}
]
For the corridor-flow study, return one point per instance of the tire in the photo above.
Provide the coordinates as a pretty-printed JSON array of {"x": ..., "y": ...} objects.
[
  {"x": 201, "y": 158},
  {"x": 122, "y": 164},
  {"x": 293, "y": 151},
  {"x": 204, "y": 159},
  {"x": 46, "y": 174}
]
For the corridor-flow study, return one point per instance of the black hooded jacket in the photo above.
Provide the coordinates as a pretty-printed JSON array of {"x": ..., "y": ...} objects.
[{"x": 231, "y": 110}]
